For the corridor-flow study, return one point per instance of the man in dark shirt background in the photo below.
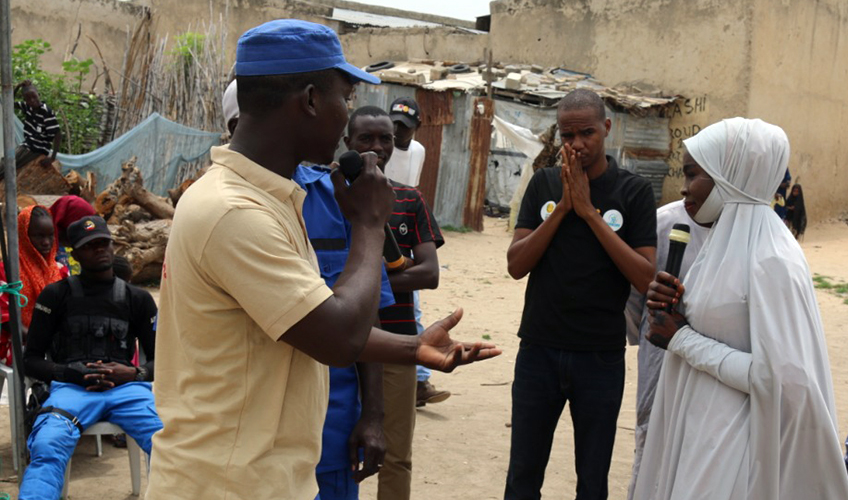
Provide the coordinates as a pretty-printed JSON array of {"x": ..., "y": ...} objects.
[
  {"x": 89, "y": 325},
  {"x": 41, "y": 129},
  {"x": 417, "y": 233},
  {"x": 585, "y": 233}
]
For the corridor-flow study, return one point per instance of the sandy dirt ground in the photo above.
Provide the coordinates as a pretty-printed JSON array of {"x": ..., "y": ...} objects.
[{"x": 461, "y": 446}]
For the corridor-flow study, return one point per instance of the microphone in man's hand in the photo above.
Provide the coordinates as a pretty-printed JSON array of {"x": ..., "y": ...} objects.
[
  {"x": 678, "y": 239},
  {"x": 351, "y": 163}
]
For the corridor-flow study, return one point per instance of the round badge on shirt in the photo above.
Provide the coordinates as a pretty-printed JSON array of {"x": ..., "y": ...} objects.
[
  {"x": 614, "y": 219},
  {"x": 547, "y": 210},
  {"x": 402, "y": 229}
]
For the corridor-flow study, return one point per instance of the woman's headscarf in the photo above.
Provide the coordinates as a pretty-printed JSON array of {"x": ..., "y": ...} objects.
[
  {"x": 36, "y": 271},
  {"x": 751, "y": 255},
  {"x": 67, "y": 210}
]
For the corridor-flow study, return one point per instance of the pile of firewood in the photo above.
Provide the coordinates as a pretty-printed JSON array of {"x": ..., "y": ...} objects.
[{"x": 140, "y": 220}]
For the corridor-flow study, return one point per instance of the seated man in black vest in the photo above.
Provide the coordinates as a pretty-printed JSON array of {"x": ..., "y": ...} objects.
[{"x": 88, "y": 324}]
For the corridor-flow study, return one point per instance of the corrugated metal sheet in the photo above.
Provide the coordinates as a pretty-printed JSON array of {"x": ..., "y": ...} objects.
[
  {"x": 653, "y": 170},
  {"x": 436, "y": 111},
  {"x": 647, "y": 134},
  {"x": 454, "y": 168},
  {"x": 436, "y": 107},
  {"x": 430, "y": 136}
]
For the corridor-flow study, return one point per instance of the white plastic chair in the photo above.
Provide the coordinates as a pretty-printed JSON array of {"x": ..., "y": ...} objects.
[
  {"x": 9, "y": 380},
  {"x": 133, "y": 450}
]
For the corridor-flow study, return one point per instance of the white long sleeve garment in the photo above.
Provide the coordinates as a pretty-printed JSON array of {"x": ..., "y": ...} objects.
[{"x": 729, "y": 366}]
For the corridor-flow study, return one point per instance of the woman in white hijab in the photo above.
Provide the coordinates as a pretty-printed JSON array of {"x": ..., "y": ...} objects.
[{"x": 744, "y": 407}]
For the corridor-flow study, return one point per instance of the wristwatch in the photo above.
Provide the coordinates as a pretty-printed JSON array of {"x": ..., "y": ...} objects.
[{"x": 140, "y": 374}]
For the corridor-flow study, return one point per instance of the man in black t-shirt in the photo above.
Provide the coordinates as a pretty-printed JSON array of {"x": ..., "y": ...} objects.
[
  {"x": 585, "y": 233},
  {"x": 371, "y": 130},
  {"x": 89, "y": 325}
]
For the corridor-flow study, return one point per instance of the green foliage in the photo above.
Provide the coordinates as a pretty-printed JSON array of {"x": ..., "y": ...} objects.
[
  {"x": 822, "y": 282},
  {"x": 839, "y": 289},
  {"x": 78, "y": 113},
  {"x": 26, "y": 60},
  {"x": 78, "y": 69},
  {"x": 187, "y": 47}
]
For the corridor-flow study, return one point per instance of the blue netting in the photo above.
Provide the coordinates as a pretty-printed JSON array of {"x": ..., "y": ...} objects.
[{"x": 160, "y": 145}]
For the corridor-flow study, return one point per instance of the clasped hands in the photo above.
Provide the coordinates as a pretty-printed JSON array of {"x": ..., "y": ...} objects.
[
  {"x": 575, "y": 185},
  {"x": 665, "y": 290},
  {"x": 100, "y": 376}
]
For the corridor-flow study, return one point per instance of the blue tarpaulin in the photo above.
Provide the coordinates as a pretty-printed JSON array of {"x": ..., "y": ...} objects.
[{"x": 160, "y": 146}]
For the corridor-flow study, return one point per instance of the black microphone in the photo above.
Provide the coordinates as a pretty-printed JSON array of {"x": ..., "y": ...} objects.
[
  {"x": 351, "y": 164},
  {"x": 678, "y": 239}
]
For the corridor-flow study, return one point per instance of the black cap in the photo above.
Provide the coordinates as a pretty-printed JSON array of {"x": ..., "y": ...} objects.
[
  {"x": 406, "y": 111},
  {"x": 88, "y": 228}
]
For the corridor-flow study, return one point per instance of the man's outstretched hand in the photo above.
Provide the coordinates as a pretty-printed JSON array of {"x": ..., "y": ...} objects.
[{"x": 437, "y": 351}]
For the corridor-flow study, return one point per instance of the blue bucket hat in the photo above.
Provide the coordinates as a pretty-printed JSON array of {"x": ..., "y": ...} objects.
[{"x": 288, "y": 46}]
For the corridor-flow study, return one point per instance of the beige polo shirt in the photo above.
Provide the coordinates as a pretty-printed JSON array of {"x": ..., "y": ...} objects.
[{"x": 243, "y": 411}]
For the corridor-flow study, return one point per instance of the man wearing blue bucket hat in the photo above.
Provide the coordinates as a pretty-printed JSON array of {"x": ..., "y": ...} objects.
[{"x": 246, "y": 321}]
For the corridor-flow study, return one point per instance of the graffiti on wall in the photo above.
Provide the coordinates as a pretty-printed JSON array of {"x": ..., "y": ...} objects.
[{"x": 687, "y": 118}]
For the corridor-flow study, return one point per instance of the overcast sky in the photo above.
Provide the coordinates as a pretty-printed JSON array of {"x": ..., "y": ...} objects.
[{"x": 459, "y": 9}]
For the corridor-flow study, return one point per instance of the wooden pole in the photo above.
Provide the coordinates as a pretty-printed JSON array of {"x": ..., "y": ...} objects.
[
  {"x": 489, "y": 73},
  {"x": 480, "y": 144},
  {"x": 10, "y": 257}
]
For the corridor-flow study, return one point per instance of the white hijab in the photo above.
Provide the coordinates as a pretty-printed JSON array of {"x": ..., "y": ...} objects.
[{"x": 750, "y": 257}]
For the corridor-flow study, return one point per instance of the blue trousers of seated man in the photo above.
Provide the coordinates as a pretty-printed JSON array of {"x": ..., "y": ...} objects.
[{"x": 54, "y": 437}]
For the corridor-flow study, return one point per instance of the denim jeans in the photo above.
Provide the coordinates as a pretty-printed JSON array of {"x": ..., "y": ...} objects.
[{"x": 545, "y": 378}]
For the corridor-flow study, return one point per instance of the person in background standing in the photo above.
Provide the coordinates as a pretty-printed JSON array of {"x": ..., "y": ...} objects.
[
  {"x": 796, "y": 212},
  {"x": 407, "y": 161},
  {"x": 404, "y": 167},
  {"x": 417, "y": 234}
]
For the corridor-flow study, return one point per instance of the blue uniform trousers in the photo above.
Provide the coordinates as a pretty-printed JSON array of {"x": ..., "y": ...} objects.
[
  {"x": 337, "y": 485},
  {"x": 54, "y": 437}
]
